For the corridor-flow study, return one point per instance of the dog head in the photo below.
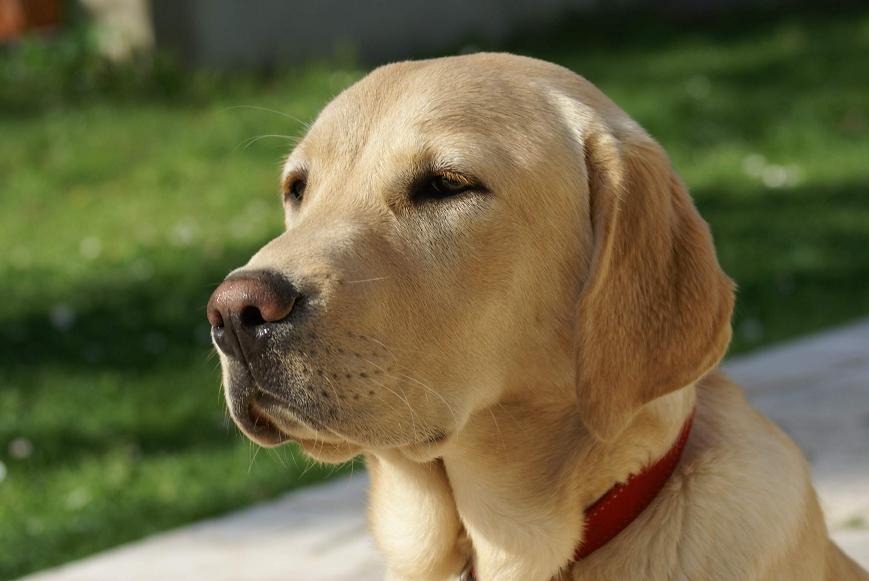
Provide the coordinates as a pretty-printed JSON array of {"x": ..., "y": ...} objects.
[{"x": 460, "y": 231}]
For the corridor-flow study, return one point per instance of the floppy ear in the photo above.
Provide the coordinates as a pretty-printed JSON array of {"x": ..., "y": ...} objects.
[{"x": 654, "y": 313}]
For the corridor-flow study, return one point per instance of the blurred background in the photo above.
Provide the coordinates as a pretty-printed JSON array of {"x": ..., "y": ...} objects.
[{"x": 140, "y": 145}]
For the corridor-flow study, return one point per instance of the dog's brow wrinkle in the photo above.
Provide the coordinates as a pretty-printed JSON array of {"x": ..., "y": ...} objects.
[{"x": 367, "y": 280}]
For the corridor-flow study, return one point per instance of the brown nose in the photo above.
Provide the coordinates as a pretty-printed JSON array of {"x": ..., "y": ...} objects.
[{"x": 244, "y": 308}]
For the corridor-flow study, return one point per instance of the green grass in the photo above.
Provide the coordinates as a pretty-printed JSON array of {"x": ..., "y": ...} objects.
[{"x": 119, "y": 214}]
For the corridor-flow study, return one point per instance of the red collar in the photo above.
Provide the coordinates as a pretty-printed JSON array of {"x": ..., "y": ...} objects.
[
  {"x": 623, "y": 503},
  {"x": 615, "y": 510}
]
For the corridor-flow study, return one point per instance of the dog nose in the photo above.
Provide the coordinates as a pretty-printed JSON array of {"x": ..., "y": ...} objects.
[{"x": 244, "y": 308}]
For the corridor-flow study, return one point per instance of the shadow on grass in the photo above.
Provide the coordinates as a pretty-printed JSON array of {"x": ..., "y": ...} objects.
[
  {"x": 797, "y": 255},
  {"x": 120, "y": 322},
  {"x": 116, "y": 362}
]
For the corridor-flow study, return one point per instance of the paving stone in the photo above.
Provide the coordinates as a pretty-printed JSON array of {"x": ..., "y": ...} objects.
[
  {"x": 817, "y": 390},
  {"x": 318, "y": 534}
]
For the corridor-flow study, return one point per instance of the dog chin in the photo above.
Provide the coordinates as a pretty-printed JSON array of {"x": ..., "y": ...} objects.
[
  {"x": 426, "y": 451},
  {"x": 329, "y": 452},
  {"x": 332, "y": 451},
  {"x": 317, "y": 442}
]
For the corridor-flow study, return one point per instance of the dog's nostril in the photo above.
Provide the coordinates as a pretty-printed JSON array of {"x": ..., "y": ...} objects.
[
  {"x": 215, "y": 318},
  {"x": 251, "y": 317}
]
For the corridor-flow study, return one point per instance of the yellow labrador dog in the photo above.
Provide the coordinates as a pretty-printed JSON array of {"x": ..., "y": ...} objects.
[{"x": 494, "y": 286}]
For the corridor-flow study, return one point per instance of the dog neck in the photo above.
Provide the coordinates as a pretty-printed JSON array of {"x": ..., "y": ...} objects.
[
  {"x": 623, "y": 503},
  {"x": 521, "y": 492}
]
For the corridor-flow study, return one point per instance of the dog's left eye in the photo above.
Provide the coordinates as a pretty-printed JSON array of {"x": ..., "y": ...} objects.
[
  {"x": 296, "y": 190},
  {"x": 441, "y": 186}
]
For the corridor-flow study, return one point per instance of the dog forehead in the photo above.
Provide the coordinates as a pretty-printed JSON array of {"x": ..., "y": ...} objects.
[{"x": 412, "y": 106}]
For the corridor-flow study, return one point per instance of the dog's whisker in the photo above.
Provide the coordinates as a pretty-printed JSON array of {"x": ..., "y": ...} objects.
[
  {"x": 392, "y": 350},
  {"x": 501, "y": 439},
  {"x": 305, "y": 124},
  {"x": 253, "y": 458},
  {"x": 293, "y": 456},
  {"x": 435, "y": 392},
  {"x": 339, "y": 403},
  {"x": 275, "y": 453},
  {"x": 250, "y": 141},
  {"x": 402, "y": 397}
]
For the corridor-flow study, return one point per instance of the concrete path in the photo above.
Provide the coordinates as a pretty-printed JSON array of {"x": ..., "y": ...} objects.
[{"x": 817, "y": 389}]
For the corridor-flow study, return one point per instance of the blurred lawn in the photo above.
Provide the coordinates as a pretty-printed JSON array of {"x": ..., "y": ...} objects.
[{"x": 118, "y": 215}]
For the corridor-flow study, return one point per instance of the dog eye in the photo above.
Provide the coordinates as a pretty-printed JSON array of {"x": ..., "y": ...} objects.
[
  {"x": 441, "y": 186},
  {"x": 296, "y": 190}
]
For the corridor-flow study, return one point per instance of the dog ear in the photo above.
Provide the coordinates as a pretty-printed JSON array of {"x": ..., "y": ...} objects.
[{"x": 654, "y": 310}]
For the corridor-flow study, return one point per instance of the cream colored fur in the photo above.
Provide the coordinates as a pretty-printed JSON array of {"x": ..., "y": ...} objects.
[{"x": 504, "y": 357}]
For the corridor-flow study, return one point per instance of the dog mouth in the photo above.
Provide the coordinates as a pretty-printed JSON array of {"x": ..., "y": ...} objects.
[
  {"x": 274, "y": 421},
  {"x": 267, "y": 419},
  {"x": 268, "y": 414},
  {"x": 262, "y": 429},
  {"x": 278, "y": 424}
]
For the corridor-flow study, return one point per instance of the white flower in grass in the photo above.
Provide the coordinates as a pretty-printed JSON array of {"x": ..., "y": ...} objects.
[
  {"x": 753, "y": 164},
  {"x": 774, "y": 176},
  {"x": 183, "y": 234},
  {"x": 62, "y": 317},
  {"x": 90, "y": 248},
  {"x": 21, "y": 448},
  {"x": 78, "y": 498}
]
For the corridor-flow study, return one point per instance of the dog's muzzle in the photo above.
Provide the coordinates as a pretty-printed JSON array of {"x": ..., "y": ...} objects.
[{"x": 245, "y": 311}]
